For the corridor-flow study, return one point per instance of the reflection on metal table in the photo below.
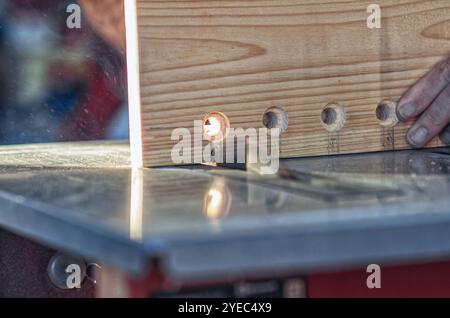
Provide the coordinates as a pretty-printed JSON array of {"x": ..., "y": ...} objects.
[{"x": 206, "y": 224}]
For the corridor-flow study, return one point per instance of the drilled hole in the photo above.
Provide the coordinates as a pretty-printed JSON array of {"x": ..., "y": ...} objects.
[
  {"x": 276, "y": 117},
  {"x": 215, "y": 126},
  {"x": 383, "y": 112},
  {"x": 386, "y": 113},
  {"x": 333, "y": 117},
  {"x": 329, "y": 116}
]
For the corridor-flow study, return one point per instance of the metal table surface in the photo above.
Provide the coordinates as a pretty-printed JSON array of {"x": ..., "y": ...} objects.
[{"x": 325, "y": 213}]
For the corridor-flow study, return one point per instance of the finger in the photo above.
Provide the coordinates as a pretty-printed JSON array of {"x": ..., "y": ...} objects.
[
  {"x": 432, "y": 121},
  {"x": 445, "y": 135},
  {"x": 421, "y": 95}
]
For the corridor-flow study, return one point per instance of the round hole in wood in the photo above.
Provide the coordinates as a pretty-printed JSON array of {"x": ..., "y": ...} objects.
[
  {"x": 215, "y": 126},
  {"x": 333, "y": 117},
  {"x": 276, "y": 117},
  {"x": 386, "y": 113}
]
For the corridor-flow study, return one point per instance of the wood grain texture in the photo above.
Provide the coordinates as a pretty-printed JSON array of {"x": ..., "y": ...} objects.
[{"x": 243, "y": 57}]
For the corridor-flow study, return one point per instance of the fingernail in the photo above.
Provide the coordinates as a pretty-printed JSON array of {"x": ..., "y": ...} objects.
[
  {"x": 407, "y": 111},
  {"x": 418, "y": 136}
]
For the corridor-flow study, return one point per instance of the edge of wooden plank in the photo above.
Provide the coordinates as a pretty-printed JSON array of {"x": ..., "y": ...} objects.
[{"x": 134, "y": 88}]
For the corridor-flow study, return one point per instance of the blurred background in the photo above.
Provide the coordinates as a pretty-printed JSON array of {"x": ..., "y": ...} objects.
[{"x": 57, "y": 83}]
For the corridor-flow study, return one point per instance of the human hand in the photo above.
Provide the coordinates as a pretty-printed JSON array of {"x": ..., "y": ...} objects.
[{"x": 429, "y": 100}]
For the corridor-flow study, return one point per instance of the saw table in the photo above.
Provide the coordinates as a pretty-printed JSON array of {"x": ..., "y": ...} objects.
[{"x": 310, "y": 231}]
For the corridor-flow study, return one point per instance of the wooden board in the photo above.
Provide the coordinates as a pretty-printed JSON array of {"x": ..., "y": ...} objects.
[{"x": 189, "y": 58}]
